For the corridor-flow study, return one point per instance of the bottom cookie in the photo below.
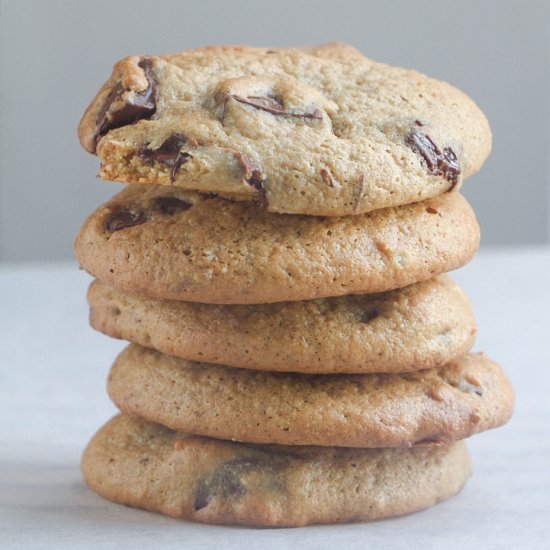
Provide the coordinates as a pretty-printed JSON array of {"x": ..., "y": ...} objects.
[{"x": 135, "y": 462}]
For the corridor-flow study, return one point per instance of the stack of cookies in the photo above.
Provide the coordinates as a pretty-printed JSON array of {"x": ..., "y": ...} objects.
[{"x": 297, "y": 354}]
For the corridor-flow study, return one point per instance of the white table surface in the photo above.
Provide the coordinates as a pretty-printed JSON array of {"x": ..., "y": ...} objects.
[{"x": 52, "y": 399}]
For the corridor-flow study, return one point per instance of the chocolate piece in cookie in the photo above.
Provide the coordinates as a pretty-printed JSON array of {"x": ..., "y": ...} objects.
[
  {"x": 254, "y": 176},
  {"x": 169, "y": 153},
  {"x": 231, "y": 479},
  {"x": 224, "y": 483},
  {"x": 125, "y": 106},
  {"x": 369, "y": 315},
  {"x": 171, "y": 205},
  {"x": 124, "y": 218},
  {"x": 275, "y": 107},
  {"x": 440, "y": 163}
]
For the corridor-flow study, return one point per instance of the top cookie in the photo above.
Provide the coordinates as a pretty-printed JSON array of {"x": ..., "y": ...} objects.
[{"x": 321, "y": 131}]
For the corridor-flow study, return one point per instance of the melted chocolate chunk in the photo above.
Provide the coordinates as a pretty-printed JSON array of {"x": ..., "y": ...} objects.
[
  {"x": 254, "y": 176},
  {"x": 169, "y": 153},
  {"x": 227, "y": 481},
  {"x": 369, "y": 316},
  {"x": 268, "y": 104},
  {"x": 171, "y": 205},
  {"x": 275, "y": 107},
  {"x": 440, "y": 163},
  {"x": 225, "y": 484},
  {"x": 140, "y": 105},
  {"x": 123, "y": 219},
  {"x": 202, "y": 496}
]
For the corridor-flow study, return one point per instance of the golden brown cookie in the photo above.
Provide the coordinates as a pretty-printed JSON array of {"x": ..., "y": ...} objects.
[
  {"x": 131, "y": 461},
  {"x": 432, "y": 406},
  {"x": 420, "y": 326},
  {"x": 320, "y": 131},
  {"x": 167, "y": 243}
]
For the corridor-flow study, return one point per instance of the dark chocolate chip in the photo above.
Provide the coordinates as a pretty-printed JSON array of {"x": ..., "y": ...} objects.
[
  {"x": 275, "y": 107},
  {"x": 440, "y": 163},
  {"x": 168, "y": 150},
  {"x": 140, "y": 105},
  {"x": 202, "y": 496},
  {"x": 123, "y": 219},
  {"x": 369, "y": 316},
  {"x": 254, "y": 176},
  {"x": 226, "y": 481},
  {"x": 262, "y": 195},
  {"x": 171, "y": 205},
  {"x": 268, "y": 104},
  {"x": 169, "y": 153}
]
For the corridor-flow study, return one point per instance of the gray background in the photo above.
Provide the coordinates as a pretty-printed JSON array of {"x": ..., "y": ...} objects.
[{"x": 55, "y": 55}]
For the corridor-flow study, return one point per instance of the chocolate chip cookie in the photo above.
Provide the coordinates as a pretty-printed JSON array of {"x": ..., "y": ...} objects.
[
  {"x": 320, "y": 131},
  {"x": 433, "y": 406},
  {"x": 421, "y": 326},
  {"x": 168, "y": 243},
  {"x": 131, "y": 461}
]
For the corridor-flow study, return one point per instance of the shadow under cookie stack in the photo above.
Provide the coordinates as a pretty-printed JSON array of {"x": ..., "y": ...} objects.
[{"x": 277, "y": 262}]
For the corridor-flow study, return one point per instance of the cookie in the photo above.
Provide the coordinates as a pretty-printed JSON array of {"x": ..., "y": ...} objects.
[
  {"x": 433, "y": 406},
  {"x": 421, "y": 326},
  {"x": 134, "y": 462},
  {"x": 167, "y": 243},
  {"x": 319, "y": 131}
]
